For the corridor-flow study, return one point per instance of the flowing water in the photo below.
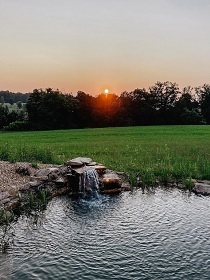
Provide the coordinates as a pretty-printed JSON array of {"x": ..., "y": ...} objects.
[
  {"x": 89, "y": 184},
  {"x": 156, "y": 235}
]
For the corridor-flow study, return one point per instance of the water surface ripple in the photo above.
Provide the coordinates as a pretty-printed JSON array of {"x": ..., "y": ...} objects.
[{"x": 156, "y": 235}]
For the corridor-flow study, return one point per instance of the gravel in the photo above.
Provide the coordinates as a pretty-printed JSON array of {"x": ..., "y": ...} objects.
[{"x": 9, "y": 177}]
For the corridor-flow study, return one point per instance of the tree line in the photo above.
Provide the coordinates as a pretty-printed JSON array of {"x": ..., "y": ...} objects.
[
  {"x": 11, "y": 97},
  {"x": 161, "y": 104}
]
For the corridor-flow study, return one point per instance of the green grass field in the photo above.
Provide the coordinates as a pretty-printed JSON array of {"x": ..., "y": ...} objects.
[{"x": 159, "y": 151}]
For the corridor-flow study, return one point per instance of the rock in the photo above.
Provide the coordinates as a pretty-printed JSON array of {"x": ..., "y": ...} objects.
[
  {"x": 24, "y": 187},
  {"x": 9, "y": 204},
  {"x": 111, "y": 183},
  {"x": 60, "y": 182},
  {"x": 121, "y": 173},
  {"x": 111, "y": 177},
  {"x": 53, "y": 176},
  {"x": 23, "y": 170},
  {"x": 35, "y": 184},
  {"x": 63, "y": 170},
  {"x": 4, "y": 195},
  {"x": 13, "y": 191},
  {"x": 8, "y": 198},
  {"x": 100, "y": 169},
  {"x": 42, "y": 178},
  {"x": 4, "y": 201},
  {"x": 74, "y": 162},
  {"x": 54, "y": 169},
  {"x": 46, "y": 171},
  {"x": 126, "y": 186},
  {"x": 80, "y": 170},
  {"x": 92, "y": 163},
  {"x": 79, "y": 161},
  {"x": 201, "y": 188},
  {"x": 85, "y": 160},
  {"x": 12, "y": 204},
  {"x": 42, "y": 172}
]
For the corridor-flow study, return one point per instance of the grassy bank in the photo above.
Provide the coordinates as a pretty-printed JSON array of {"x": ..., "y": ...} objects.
[{"x": 161, "y": 151}]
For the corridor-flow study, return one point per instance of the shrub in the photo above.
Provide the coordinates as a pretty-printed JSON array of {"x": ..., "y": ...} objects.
[{"x": 17, "y": 126}]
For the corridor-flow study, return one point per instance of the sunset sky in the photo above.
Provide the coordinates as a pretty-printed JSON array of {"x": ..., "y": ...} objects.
[{"x": 91, "y": 45}]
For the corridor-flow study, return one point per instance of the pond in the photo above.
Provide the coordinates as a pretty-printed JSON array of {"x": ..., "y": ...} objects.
[{"x": 159, "y": 234}]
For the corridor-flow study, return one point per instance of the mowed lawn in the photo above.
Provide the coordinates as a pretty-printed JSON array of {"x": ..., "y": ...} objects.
[{"x": 155, "y": 151}]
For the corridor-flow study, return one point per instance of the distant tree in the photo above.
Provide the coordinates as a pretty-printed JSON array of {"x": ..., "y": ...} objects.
[
  {"x": 186, "y": 99},
  {"x": 2, "y": 100},
  {"x": 137, "y": 107},
  {"x": 144, "y": 111},
  {"x": 187, "y": 108},
  {"x": 84, "y": 109},
  {"x": 19, "y": 104},
  {"x": 191, "y": 117},
  {"x": 4, "y": 112},
  {"x": 125, "y": 113},
  {"x": 50, "y": 109},
  {"x": 11, "y": 101},
  {"x": 163, "y": 97},
  {"x": 23, "y": 97},
  {"x": 203, "y": 94},
  {"x": 17, "y": 126},
  {"x": 105, "y": 109}
]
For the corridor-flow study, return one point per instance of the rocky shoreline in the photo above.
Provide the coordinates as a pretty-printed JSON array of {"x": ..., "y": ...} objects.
[
  {"x": 18, "y": 180},
  {"x": 24, "y": 185}
]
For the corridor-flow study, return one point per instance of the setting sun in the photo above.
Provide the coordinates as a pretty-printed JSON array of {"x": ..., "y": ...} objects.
[{"x": 106, "y": 91}]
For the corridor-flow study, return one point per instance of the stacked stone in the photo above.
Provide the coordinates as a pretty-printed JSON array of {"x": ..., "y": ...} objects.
[{"x": 55, "y": 181}]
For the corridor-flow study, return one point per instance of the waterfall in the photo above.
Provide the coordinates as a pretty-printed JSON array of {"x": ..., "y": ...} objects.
[{"x": 89, "y": 183}]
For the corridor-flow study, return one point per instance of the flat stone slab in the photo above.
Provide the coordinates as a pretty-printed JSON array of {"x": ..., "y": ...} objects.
[
  {"x": 60, "y": 181},
  {"x": 111, "y": 176},
  {"x": 79, "y": 161},
  {"x": 202, "y": 188},
  {"x": 46, "y": 171},
  {"x": 35, "y": 184}
]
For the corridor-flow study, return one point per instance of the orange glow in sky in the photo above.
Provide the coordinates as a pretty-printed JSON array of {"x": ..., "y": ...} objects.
[{"x": 91, "y": 45}]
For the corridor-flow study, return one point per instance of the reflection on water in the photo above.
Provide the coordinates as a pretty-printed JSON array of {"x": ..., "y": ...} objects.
[{"x": 157, "y": 235}]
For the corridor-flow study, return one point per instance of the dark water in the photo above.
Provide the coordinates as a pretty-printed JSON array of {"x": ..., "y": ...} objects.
[{"x": 156, "y": 235}]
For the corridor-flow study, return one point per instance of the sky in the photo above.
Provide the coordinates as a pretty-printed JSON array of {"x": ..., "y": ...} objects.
[{"x": 90, "y": 45}]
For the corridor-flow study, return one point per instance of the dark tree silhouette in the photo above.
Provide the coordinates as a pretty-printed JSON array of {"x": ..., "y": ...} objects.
[
  {"x": 4, "y": 113},
  {"x": 164, "y": 96},
  {"x": 161, "y": 104},
  {"x": 203, "y": 94},
  {"x": 187, "y": 108},
  {"x": 14, "y": 97},
  {"x": 105, "y": 109},
  {"x": 49, "y": 109},
  {"x": 84, "y": 109}
]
